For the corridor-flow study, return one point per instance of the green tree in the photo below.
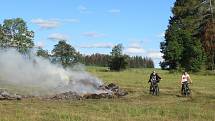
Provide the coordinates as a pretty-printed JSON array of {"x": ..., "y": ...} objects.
[
  {"x": 118, "y": 61},
  {"x": 117, "y": 50},
  {"x": 192, "y": 55},
  {"x": 172, "y": 48},
  {"x": 14, "y": 33},
  {"x": 1, "y": 35},
  {"x": 181, "y": 47},
  {"x": 65, "y": 54},
  {"x": 42, "y": 53},
  {"x": 140, "y": 62}
]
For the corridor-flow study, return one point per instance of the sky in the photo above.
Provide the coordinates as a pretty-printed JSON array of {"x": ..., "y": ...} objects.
[{"x": 95, "y": 26}]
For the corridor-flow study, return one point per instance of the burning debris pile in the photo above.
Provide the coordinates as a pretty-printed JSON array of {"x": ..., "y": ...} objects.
[
  {"x": 45, "y": 78},
  {"x": 65, "y": 96},
  {"x": 104, "y": 91},
  {"x": 116, "y": 90},
  {"x": 109, "y": 91},
  {"x": 4, "y": 95}
]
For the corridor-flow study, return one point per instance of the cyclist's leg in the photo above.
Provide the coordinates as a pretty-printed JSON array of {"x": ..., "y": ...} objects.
[
  {"x": 154, "y": 88},
  {"x": 182, "y": 88},
  {"x": 157, "y": 89},
  {"x": 150, "y": 88},
  {"x": 186, "y": 88}
]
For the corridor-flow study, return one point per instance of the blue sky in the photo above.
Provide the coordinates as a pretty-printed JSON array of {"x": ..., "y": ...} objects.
[{"x": 95, "y": 26}]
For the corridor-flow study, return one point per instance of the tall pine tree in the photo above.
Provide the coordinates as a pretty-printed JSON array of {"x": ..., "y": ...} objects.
[{"x": 181, "y": 47}]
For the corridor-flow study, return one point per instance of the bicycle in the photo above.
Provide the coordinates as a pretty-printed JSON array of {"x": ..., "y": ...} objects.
[
  {"x": 185, "y": 89},
  {"x": 154, "y": 88}
]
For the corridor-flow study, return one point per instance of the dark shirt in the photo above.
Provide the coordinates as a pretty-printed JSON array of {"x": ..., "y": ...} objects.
[{"x": 157, "y": 77}]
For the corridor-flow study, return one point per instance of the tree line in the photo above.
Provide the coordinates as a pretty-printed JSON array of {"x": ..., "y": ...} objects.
[
  {"x": 14, "y": 33},
  {"x": 190, "y": 38},
  {"x": 102, "y": 60},
  {"x": 67, "y": 55}
]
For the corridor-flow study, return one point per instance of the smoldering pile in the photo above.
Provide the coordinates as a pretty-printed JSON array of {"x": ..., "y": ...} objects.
[
  {"x": 5, "y": 95},
  {"x": 104, "y": 91}
]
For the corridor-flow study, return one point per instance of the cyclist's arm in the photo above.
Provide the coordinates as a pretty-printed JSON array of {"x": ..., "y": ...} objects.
[
  {"x": 150, "y": 78},
  {"x": 158, "y": 77},
  {"x": 190, "y": 80},
  {"x": 181, "y": 80}
]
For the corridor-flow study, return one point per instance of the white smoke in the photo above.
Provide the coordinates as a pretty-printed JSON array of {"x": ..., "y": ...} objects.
[{"x": 38, "y": 76}]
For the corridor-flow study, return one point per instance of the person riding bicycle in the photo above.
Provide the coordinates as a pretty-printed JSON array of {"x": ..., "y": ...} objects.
[
  {"x": 184, "y": 80},
  {"x": 154, "y": 79}
]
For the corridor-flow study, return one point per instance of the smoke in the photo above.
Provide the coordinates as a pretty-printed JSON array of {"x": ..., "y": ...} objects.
[{"x": 37, "y": 76}]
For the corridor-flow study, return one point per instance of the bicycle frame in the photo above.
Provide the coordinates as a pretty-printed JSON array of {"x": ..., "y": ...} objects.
[
  {"x": 185, "y": 89},
  {"x": 155, "y": 88}
]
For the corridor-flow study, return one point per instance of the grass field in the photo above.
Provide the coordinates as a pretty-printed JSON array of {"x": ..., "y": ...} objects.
[{"x": 137, "y": 106}]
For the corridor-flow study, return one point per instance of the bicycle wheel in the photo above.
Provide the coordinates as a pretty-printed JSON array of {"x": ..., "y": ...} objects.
[
  {"x": 157, "y": 90},
  {"x": 153, "y": 90},
  {"x": 150, "y": 89},
  {"x": 186, "y": 90},
  {"x": 183, "y": 92}
]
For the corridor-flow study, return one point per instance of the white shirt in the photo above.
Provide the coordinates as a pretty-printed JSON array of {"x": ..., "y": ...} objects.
[{"x": 185, "y": 77}]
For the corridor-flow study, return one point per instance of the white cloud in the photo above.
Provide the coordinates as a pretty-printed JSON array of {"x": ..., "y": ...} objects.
[
  {"x": 46, "y": 24},
  {"x": 135, "y": 48},
  {"x": 98, "y": 45},
  {"x": 94, "y": 34},
  {"x": 40, "y": 44},
  {"x": 134, "y": 51},
  {"x": 154, "y": 54},
  {"x": 114, "y": 11},
  {"x": 135, "y": 43},
  {"x": 83, "y": 9},
  {"x": 58, "y": 37},
  {"x": 53, "y": 23}
]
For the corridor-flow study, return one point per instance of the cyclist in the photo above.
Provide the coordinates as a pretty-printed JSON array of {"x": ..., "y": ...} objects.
[
  {"x": 184, "y": 80},
  {"x": 154, "y": 79}
]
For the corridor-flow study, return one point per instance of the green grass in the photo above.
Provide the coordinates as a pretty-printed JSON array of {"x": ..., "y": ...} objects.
[{"x": 137, "y": 106}]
